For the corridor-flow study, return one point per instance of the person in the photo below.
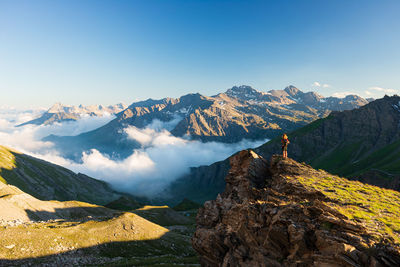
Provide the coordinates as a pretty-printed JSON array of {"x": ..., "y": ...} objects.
[{"x": 285, "y": 141}]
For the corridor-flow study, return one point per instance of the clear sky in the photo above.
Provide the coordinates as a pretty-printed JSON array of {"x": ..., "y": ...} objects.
[{"x": 104, "y": 52}]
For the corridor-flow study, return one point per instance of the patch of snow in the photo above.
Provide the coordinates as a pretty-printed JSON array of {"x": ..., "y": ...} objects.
[
  {"x": 288, "y": 107},
  {"x": 183, "y": 110},
  {"x": 254, "y": 102}
]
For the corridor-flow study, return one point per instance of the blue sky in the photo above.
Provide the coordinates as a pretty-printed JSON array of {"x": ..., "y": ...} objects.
[{"x": 104, "y": 52}]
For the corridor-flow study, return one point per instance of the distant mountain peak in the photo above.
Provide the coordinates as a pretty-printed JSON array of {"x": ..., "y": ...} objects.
[
  {"x": 243, "y": 92},
  {"x": 241, "y": 89},
  {"x": 292, "y": 90},
  {"x": 60, "y": 112},
  {"x": 57, "y": 107}
]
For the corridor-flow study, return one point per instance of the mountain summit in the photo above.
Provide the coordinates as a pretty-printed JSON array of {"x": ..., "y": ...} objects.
[{"x": 283, "y": 213}]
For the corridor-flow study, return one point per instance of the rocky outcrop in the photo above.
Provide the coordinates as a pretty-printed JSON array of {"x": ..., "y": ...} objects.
[{"x": 283, "y": 213}]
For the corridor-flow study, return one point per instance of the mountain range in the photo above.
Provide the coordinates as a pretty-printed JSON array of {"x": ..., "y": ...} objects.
[
  {"x": 239, "y": 113},
  {"x": 61, "y": 113},
  {"x": 361, "y": 144}
]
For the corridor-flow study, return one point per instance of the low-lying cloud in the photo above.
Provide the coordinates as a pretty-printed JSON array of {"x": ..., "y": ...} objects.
[
  {"x": 28, "y": 138},
  {"x": 161, "y": 159}
]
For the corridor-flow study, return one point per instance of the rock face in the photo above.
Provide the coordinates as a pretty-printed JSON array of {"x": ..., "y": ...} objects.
[{"x": 283, "y": 213}]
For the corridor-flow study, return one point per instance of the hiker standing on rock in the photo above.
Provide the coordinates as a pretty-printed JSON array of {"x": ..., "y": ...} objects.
[{"x": 285, "y": 141}]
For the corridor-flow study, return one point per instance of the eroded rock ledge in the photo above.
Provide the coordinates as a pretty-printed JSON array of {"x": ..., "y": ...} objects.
[{"x": 267, "y": 217}]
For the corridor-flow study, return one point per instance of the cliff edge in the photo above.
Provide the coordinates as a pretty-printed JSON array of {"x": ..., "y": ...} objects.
[{"x": 285, "y": 213}]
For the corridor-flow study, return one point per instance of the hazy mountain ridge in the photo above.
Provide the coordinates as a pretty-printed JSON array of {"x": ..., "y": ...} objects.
[
  {"x": 60, "y": 113},
  {"x": 284, "y": 213},
  {"x": 239, "y": 113}
]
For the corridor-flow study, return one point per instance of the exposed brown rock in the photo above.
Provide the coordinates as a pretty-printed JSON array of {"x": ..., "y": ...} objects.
[{"x": 266, "y": 219}]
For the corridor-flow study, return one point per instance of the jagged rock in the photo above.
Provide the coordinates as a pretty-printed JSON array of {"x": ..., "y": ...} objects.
[{"x": 277, "y": 214}]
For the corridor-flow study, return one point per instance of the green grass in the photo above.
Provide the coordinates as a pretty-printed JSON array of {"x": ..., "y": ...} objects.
[
  {"x": 308, "y": 128},
  {"x": 186, "y": 204},
  {"x": 386, "y": 158},
  {"x": 338, "y": 159},
  {"x": 360, "y": 202},
  {"x": 7, "y": 162},
  {"x": 163, "y": 215},
  {"x": 162, "y": 261}
]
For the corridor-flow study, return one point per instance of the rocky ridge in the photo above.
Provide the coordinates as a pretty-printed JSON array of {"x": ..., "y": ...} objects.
[{"x": 284, "y": 213}]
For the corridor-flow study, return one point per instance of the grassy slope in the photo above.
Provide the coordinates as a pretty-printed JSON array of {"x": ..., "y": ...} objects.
[
  {"x": 378, "y": 209},
  {"x": 80, "y": 233},
  {"x": 121, "y": 240},
  {"x": 48, "y": 181}
]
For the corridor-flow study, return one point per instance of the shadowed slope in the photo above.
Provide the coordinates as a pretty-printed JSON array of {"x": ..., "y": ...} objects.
[{"x": 47, "y": 181}]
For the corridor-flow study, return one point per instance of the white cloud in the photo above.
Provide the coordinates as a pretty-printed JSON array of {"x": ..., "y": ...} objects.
[
  {"x": 343, "y": 94},
  {"x": 368, "y": 93},
  {"x": 385, "y": 90},
  {"x": 27, "y": 138},
  {"x": 161, "y": 159},
  {"x": 318, "y": 84},
  {"x": 168, "y": 125}
]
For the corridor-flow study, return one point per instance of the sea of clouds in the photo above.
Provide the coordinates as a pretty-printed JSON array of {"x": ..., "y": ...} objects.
[{"x": 161, "y": 159}]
